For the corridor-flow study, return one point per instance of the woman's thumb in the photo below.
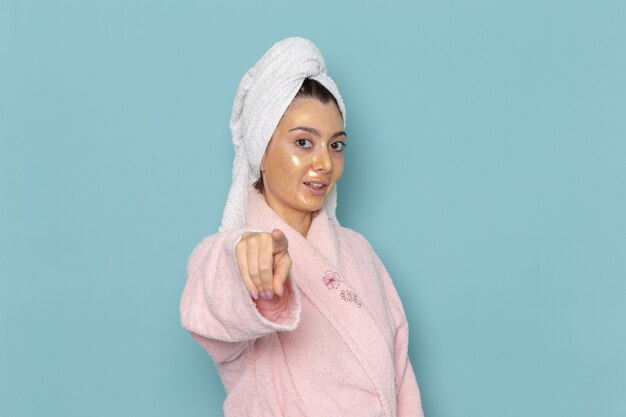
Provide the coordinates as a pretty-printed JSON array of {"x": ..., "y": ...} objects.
[{"x": 280, "y": 241}]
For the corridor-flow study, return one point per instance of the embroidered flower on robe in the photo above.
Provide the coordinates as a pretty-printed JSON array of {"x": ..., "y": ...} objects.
[
  {"x": 349, "y": 296},
  {"x": 331, "y": 280}
]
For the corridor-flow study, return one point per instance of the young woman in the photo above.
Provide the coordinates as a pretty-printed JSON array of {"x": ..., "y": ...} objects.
[{"x": 298, "y": 312}]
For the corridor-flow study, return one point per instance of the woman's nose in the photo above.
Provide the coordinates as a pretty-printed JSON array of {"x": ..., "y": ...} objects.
[{"x": 322, "y": 161}]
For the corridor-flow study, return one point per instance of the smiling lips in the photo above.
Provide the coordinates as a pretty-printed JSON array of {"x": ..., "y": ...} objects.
[{"x": 316, "y": 187}]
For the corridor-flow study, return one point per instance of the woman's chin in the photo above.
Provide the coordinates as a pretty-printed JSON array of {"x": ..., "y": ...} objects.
[
  {"x": 312, "y": 204},
  {"x": 314, "y": 207}
]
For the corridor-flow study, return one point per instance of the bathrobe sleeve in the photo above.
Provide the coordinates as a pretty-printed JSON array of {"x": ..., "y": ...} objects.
[
  {"x": 216, "y": 307},
  {"x": 407, "y": 392}
]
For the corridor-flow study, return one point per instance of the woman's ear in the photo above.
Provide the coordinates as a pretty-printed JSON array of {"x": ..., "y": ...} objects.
[{"x": 262, "y": 165}]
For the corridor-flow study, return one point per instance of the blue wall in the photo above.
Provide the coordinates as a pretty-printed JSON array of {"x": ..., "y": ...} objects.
[{"x": 487, "y": 166}]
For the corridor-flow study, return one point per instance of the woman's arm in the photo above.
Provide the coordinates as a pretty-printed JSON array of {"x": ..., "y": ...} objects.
[
  {"x": 408, "y": 398},
  {"x": 217, "y": 308}
]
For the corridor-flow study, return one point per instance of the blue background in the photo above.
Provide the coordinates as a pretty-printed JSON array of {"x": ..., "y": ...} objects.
[{"x": 487, "y": 166}]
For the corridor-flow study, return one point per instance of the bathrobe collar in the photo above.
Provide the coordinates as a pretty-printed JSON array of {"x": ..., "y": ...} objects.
[{"x": 313, "y": 256}]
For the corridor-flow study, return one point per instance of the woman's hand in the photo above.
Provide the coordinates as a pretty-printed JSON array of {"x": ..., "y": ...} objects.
[{"x": 264, "y": 263}]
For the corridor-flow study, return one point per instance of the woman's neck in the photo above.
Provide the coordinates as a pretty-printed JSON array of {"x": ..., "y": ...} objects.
[{"x": 299, "y": 220}]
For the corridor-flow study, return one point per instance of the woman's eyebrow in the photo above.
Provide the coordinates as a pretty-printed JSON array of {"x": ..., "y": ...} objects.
[{"x": 317, "y": 133}]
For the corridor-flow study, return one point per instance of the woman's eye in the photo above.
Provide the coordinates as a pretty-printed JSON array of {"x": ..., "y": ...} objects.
[
  {"x": 337, "y": 146},
  {"x": 304, "y": 143}
]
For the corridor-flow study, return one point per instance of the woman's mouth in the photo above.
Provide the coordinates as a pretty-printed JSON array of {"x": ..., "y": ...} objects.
[{"x": 317, "y": 188}]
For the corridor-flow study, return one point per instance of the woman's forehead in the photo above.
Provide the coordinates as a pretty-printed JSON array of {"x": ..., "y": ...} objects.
[{"x": 325, "y": 118}]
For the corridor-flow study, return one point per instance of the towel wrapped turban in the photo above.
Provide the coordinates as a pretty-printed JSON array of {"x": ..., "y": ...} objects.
[{"x": 264, "y": 94}]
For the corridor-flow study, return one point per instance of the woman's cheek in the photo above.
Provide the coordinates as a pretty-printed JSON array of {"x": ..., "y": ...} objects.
[{"x": 296, "y": 161}]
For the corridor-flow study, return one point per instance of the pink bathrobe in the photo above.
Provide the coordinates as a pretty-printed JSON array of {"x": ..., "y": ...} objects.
[{"x": 335, "y": 344}]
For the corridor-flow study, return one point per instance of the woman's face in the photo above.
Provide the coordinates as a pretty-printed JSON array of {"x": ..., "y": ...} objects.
[{"x": 304, "y": 159}]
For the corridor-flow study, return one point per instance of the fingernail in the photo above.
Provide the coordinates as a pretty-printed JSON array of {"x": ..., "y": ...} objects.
[
  {"x": 254, "y": 294},
  {"x": 267, "y": 295}
]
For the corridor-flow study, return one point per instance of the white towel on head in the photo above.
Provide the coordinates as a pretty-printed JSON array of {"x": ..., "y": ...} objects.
[{"x": 264, "y": 94}]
